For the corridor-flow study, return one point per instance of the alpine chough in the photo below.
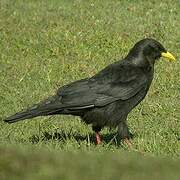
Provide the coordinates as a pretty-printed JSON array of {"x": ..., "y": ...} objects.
[{"x": 106, "y": 98}]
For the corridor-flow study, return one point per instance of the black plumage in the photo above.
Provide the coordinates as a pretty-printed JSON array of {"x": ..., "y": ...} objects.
[{"x": 106, "y": 98}]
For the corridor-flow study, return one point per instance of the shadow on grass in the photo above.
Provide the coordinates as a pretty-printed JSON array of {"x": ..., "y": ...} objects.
[{"x": 63, "y": 136}]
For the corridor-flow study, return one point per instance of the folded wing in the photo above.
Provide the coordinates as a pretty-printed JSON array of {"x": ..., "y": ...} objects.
[{"x": 104, "y": 88}]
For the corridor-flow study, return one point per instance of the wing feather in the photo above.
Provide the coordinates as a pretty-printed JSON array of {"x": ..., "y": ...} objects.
[{"x": 111, "y": 84}]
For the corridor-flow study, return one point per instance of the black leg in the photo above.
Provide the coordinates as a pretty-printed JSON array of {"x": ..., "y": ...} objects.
[
  {"x": 96, "y": 128},
  {"x": 124, "y": 134},
  {"x": 123, "y": 131}
]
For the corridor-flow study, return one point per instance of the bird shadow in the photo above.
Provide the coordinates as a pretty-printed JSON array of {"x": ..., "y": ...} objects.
[{"x": 109, "y": 139}]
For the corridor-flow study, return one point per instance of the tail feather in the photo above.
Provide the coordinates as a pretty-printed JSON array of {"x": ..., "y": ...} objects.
[
  {"x": 42, "y": 109},
  {"x": 20, "y": 116},
  {"x": 28, "y": 115}
]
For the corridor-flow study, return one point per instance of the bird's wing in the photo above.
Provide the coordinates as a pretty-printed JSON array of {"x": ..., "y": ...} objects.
[{"x": 111, "y": 84}]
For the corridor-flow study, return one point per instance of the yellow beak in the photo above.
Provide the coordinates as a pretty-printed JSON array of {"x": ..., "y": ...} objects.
[{"x": 168, "y": 55}]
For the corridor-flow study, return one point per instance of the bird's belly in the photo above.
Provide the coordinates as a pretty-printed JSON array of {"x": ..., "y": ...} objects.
[
  {"x": 112, "y": 114},
  {"x": 109, "y": 115}
]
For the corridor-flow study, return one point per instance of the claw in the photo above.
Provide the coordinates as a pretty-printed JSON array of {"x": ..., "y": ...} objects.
[{"x": 128, "y": 142}]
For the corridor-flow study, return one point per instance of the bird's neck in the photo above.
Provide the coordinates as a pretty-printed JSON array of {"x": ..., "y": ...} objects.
[{"x": 141, "y": 62}]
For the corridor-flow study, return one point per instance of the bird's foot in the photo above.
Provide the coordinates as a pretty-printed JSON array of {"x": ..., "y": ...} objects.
[
  {"x": 130, "y": 146},
  {"x": 98, "y": 138},
  {"x": 128, "y": 142}
]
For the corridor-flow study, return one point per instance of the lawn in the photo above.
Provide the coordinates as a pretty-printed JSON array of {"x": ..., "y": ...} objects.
[{"x": 46, "y": 44}]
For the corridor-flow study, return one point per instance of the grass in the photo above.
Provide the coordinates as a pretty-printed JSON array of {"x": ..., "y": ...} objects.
[
  {"x": 40, "y": 164},
  {"x": 46, "y": 44}
]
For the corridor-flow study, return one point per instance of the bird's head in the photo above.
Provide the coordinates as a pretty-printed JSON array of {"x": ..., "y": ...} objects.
[{"x": 147, "y": 51}]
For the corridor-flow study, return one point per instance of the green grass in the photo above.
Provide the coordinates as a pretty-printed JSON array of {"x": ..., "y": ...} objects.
[
  {"x": 40, "y": 164},
  {"x": 46, "y": 44}
]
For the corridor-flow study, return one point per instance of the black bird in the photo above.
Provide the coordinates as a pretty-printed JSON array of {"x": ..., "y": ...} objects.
[{"x": 106, "y": 98}]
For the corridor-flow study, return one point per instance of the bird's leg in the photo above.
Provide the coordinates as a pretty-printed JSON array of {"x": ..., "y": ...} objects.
[
  {"x": 124, "y": 134},
  {"x": 128, "y": 142},
  {"x": 98, "y": 138},
  {"x": 97, "y": 129}
]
